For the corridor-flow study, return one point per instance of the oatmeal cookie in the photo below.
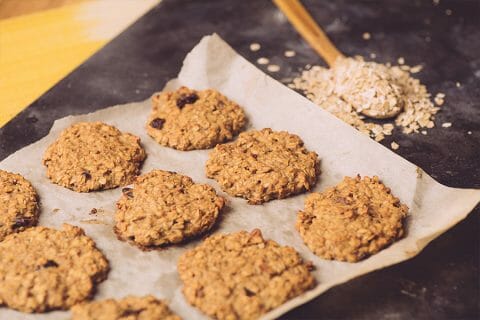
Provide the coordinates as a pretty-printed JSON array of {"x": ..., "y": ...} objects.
[
  {"x": 44, "y": 269},
  {"x": 128, "y": 308},
  {"x": 165, "y": 208},
  {"x": 91, "y": 156},
  {"x": 351, "y": 221},
  {"x": 18, "y": 204},
  {"x": 263, "y": 165},
  {"x": 242, "y": 276},
  {"x": 187, "y": 119}
]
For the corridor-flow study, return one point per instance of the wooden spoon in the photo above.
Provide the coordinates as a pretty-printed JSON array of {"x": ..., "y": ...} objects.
[{"x": 318, "y": 40}]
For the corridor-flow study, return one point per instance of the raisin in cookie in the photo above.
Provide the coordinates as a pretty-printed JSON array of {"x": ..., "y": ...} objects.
[
  {"x": 351, "y": 221},
  {"x": 263, "y": 165},
  {"x": 241, "y": 275},
  {"x": 44, "y": 269},
  {"x": 165, "y": 208},
  {"x": 18, "y": 204},
  {"x": 187, "y": 119},
  {"x": 91, "y": 156},
  {"x": 128, "y": 308}
]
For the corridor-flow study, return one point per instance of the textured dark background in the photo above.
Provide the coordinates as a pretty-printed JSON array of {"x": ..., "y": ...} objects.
[{"x": 443, "y": 281}]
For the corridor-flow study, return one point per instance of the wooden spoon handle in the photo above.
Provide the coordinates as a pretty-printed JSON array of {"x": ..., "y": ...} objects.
[{"x": 309, "y": 29}]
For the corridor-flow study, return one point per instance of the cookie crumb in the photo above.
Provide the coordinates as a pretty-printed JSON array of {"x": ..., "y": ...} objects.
[
  {"x": 457, "y": 84},
  {"x": 263, "y": 60},
  {"x": 273, "y": 68},
  {"x": 255, "y": 46},
  {"x": 469, "y": 132},
  {"x": 446, "y": 124},
  {"x": 373, "y": 55},
  {"x": 289, "y": 53},
  {"x": 424, "y": 132},
  {"x": 366, "y": 36},
  {"x": 401, "y": 60},
  {"x": 394, "y": 145}
]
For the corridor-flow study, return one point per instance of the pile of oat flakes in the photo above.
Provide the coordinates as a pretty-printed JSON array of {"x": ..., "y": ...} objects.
[{"x": 326, "y": 88}]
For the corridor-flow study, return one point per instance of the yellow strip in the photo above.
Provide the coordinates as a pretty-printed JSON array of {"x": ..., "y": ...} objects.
[{"x": 39, "y": 49}]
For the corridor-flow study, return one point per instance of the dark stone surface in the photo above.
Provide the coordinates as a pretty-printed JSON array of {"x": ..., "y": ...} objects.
[{"x": 443, "y": 281}]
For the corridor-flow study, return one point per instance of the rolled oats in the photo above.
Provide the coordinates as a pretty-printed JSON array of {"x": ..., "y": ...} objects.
[{"x": 337, "y": 90}]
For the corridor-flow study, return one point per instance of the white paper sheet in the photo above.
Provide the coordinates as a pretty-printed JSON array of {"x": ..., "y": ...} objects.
[{"x": 343, "y": 151}]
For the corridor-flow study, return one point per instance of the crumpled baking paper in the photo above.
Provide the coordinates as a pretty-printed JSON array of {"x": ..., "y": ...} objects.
[{"x": 343, "y": 151}]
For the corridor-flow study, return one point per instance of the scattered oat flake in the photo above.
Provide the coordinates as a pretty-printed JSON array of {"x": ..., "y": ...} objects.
[
  {"x": 457, "y": 84},
  {"x": 448, "y": 12},
  {"x": 401, "y": 60},
  {"x": 255, "y": 46},
  {"x": 289, "y": 53},
  {"x": 263, "y": 60},
  {"x": 373, "y": 55},
  {"x": 273, "y": 68},
  {"x": 394, "y": 145},
  {"x": 424, "y": 132},
  {"x": 469, "y": 132},
  {"x": 446, "y": 124},
  {"x": 438, "y": 101},
  {"x": 416, "y": 69},
  {"x": 366, "y": 36}
]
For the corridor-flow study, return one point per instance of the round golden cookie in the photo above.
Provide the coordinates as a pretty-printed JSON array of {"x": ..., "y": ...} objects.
[
  {"x": 241, "y": 275},
  {"x": 131, "y": 308},
  {"x": 91, "y": 156},
  {"x": 351, "y": 221},
  {"x": 188, "y": 119},
  {"x": 44, "y": 269},
  {"x": 263, "y": 165},
  {"x": 18, "y": 204},
  {"x": 165, "y": 208}
]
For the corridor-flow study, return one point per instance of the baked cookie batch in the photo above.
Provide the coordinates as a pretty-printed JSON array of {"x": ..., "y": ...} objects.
[{"x": 239, "y": 275}]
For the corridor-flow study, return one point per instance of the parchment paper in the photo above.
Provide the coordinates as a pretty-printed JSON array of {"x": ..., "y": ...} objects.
[{"x": 343, "y": 152}]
